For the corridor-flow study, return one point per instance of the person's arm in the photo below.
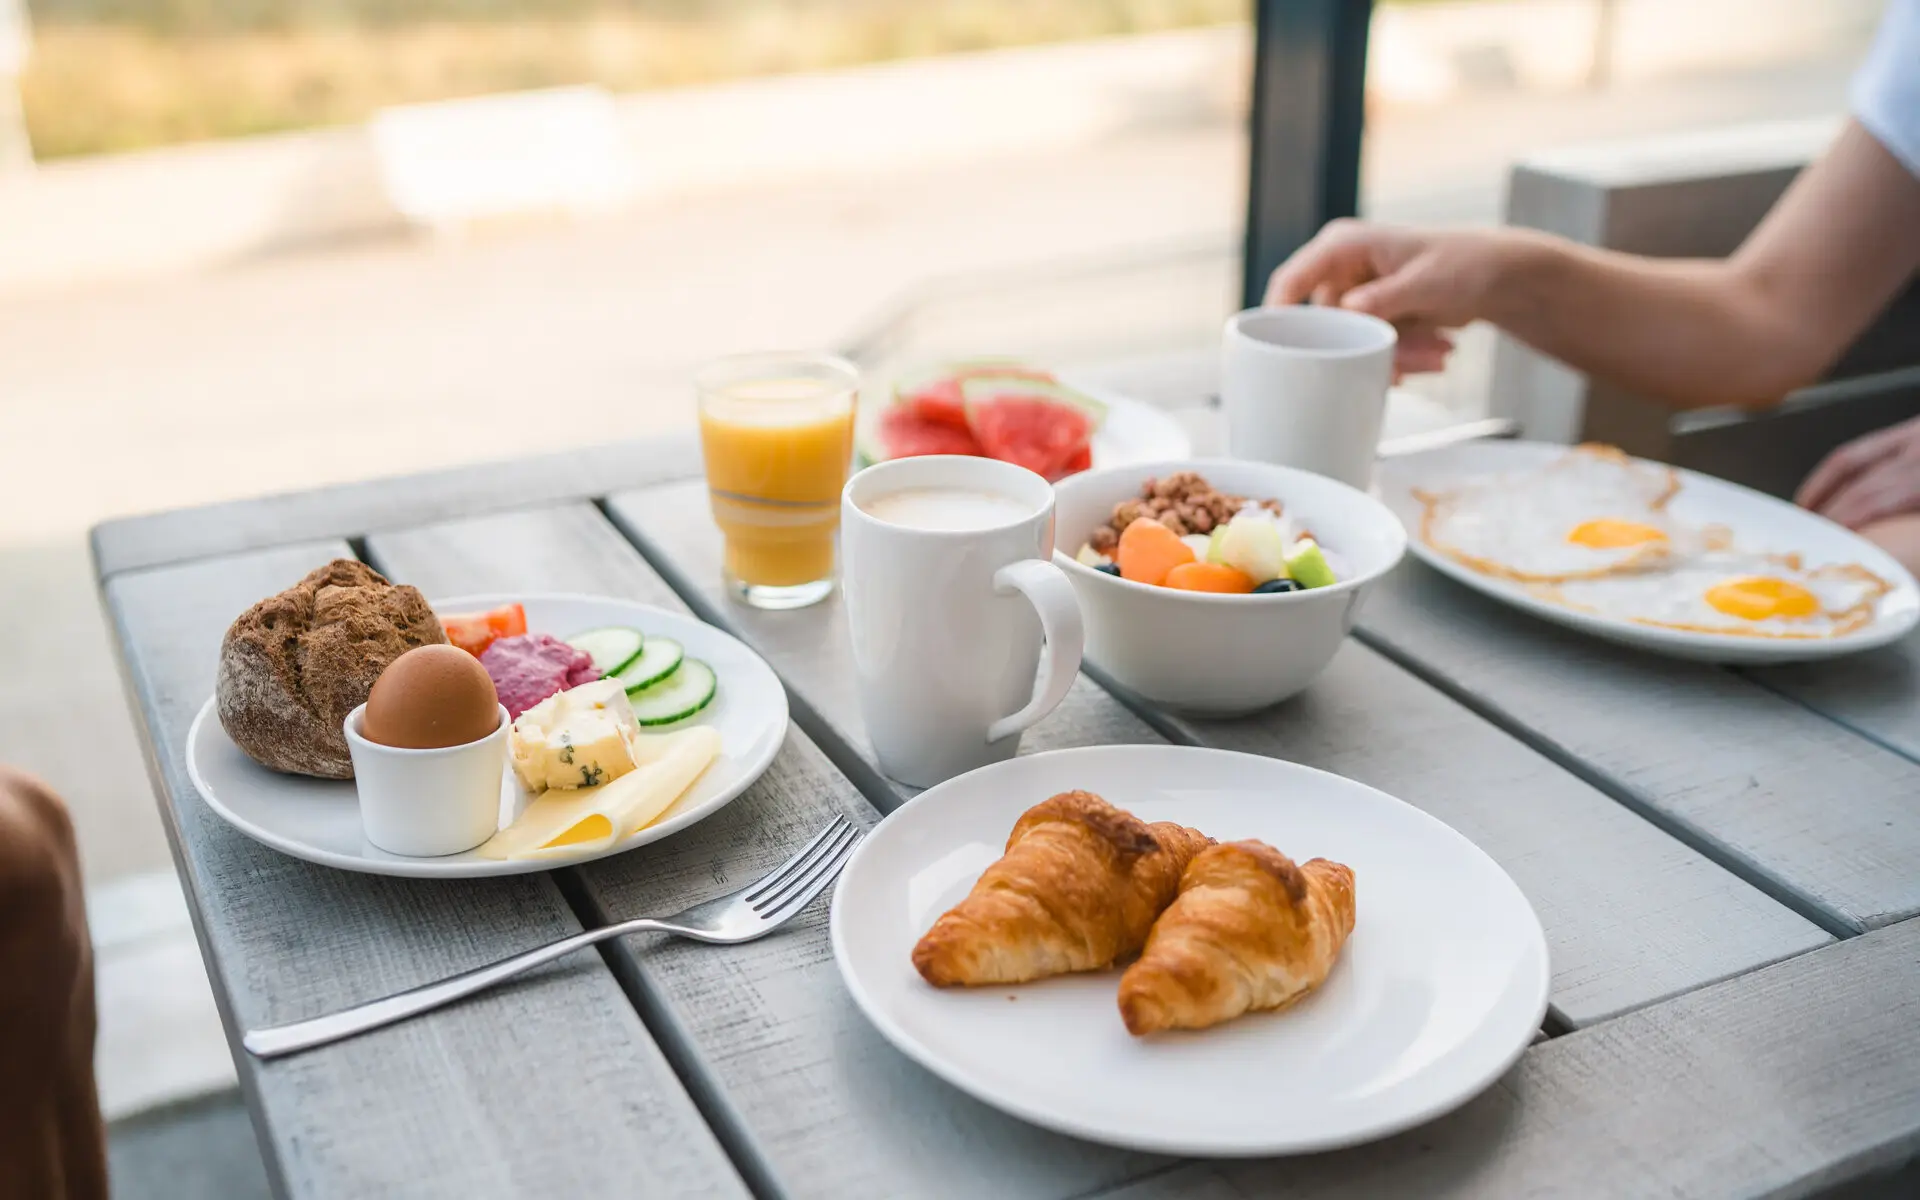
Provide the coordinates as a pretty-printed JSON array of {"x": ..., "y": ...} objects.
[{"x": 1745, "y": 330}]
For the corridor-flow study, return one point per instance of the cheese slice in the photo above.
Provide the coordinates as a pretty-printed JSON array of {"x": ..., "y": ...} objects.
[
  {"x": 564, "y": 823},
  {"x": 580, "y": 738}
]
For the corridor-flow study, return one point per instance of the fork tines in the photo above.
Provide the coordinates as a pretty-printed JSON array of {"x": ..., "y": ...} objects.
[{"x": 793, "y": 883}]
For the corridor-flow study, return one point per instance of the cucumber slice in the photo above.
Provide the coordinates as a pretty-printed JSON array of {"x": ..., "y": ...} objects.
[
  {"x": 658, "y": 659},
  {"x": 611, "y": 649},
  {"x": 677, "y": 697}
]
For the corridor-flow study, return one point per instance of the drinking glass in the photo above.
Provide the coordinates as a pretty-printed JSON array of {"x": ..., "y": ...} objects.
[{"x": 776, "y": 431}]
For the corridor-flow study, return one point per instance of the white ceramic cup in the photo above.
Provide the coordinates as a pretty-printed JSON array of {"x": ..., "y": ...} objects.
[
  {"x": 426, "y": 803},
  {"x": 1306, "y": 387},
  {"x": 949, "y": 625}
]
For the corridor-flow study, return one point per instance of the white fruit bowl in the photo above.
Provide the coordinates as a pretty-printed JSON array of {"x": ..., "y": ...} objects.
[{"x": 1219, "y": 655}]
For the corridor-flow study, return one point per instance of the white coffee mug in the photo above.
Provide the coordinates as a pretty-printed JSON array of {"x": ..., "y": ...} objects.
[
  {"x": 1306, "y": 387},
  {"x": 950, "y": 603}
]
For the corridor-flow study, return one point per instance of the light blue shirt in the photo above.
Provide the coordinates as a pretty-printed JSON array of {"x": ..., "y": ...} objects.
[{"x": 1886, "y": 92}]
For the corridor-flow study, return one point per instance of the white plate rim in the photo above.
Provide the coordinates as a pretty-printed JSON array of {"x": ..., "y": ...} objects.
[
  {"x": 1171, "y": 438},
  {"x": 908, "y": 1045},
  {"x": 469, "y": 868},
  {"x": 1700, "y": 647}
]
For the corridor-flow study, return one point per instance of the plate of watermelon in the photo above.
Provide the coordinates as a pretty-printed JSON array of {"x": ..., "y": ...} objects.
[{"x": 1016, "y": 413}]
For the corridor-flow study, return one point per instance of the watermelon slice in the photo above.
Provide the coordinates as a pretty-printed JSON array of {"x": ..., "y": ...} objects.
[
  {"x": 939, "y": 402},
  {"x": 903, "y": 433},
  {"x": 936, "y": 394},
  {"x": 993, "y": 408},
  {"x": 978, "y": 388},
  {"x": 1045, "y": 436}
]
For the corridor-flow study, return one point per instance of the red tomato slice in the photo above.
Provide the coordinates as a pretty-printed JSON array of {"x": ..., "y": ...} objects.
[{"x": 474, "y": 632}]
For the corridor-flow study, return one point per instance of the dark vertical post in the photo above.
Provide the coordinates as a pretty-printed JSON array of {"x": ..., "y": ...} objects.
[{"x": 1309, "y": 97}]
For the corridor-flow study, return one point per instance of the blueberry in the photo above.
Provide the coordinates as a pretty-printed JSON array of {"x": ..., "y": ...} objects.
[
  {"x": 1276, "y": 585},
  {"x": 1108, "y": 568}
]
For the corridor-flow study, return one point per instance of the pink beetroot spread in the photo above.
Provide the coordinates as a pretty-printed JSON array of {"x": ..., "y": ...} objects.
[{"x": 529, "y": 668}]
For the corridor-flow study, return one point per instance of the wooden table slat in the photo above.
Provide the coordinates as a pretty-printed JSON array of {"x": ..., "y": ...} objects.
[
  {"x": 1871, "y": 694},
  {"x": 1809, "y": 810},
  {"x": 1632, "y": 916},
  {"x": 1783, "y": 1082},
  {"x": 821, "y": 1104},
  {"x": 535, "y": 1089}
]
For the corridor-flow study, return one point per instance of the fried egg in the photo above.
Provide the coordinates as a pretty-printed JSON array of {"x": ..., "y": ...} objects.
[
  {"x": 1741, "y": 594},
  {"x": 1593, "y": 512}
]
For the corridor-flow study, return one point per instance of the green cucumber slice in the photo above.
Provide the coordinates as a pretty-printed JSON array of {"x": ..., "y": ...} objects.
[
  {"x": 658, "y": 659},
  {"x": 677, "y": 697},
  {"x": 611, "y": 649}
]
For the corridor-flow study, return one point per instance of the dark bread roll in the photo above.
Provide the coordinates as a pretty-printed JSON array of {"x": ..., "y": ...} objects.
[{"x": 294, "y": 665}]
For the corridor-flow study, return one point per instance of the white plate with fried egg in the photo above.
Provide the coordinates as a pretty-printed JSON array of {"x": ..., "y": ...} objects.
[{"x": 1648, "y": 555}]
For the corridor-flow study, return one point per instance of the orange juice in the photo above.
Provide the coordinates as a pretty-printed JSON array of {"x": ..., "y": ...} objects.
[{"x": 777, "y": 435}]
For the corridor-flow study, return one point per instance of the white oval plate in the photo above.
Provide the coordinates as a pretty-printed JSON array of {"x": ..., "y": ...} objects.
[
  {"x": 319, "y": 819},
  {"x": 1759, "y": 522},
  {"x": 1133, "y": 432},
  {"x": 1440, "y": 988}
]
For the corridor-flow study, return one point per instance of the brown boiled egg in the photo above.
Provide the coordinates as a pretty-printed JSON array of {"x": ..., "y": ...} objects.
[{"x": 429, "y": 698}]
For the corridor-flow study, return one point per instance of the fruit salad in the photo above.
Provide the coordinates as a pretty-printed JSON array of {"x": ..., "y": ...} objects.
[{"x": 1181, "y": 533}]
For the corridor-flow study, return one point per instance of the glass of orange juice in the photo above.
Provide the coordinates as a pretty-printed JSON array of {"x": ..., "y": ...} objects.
[{"x": 777, "y": 434}]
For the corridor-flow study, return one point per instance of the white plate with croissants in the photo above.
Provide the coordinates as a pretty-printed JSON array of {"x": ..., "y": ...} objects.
[{"x": 1190, "y": 951}]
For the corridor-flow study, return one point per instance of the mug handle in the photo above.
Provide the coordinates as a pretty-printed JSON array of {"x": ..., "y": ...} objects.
[{"x": 1045, "y": 586}]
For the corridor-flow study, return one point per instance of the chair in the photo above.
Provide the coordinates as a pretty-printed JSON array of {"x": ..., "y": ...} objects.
[{"x": 1697, "y": 195}]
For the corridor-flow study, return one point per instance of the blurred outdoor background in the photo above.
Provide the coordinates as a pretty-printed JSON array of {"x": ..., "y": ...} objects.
[{"x": 242, "y": 251}]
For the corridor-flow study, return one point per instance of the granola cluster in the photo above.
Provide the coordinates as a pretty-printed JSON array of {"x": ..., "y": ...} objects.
[{"x": 1184, "y": 502}]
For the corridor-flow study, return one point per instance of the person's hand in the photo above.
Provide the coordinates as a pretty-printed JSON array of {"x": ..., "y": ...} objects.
[
  {"x": 1425, "y": 282},
  {"x": 1867, "y": 479}
]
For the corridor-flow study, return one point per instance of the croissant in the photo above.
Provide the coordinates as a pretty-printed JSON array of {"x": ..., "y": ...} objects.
[
  {"x": 1249, "y": 931},
  {"x": 1077, "y": 890}
]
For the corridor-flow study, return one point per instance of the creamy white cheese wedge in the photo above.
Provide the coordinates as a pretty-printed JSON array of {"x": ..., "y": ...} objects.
[
  {"x": 564, "y": 824},
  {"x": 580, "y": 738}
]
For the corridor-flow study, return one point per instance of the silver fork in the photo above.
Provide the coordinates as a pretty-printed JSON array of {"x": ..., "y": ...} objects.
[{"x": 755, "y": 910}]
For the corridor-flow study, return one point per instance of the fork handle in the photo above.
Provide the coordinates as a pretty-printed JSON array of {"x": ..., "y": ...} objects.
[{"x": 279, "y": 1040}]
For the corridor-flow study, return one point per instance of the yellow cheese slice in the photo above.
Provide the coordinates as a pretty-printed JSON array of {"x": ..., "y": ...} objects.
[{"x": 566, "y": 823}]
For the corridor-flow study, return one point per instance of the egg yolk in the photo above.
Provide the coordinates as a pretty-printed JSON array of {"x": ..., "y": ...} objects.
[
  {"x": 1607, "y": 533},
  {"x": 1758, "y": 597}
]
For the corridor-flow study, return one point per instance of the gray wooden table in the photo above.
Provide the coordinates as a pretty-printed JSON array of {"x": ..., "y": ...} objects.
[{"x": 1727, "y": 865}]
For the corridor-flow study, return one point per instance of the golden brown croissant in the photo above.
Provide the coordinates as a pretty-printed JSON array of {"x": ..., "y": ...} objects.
[
  {"x": 1077, "y": 890},
  {"x": 1249, "y": 931}
]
